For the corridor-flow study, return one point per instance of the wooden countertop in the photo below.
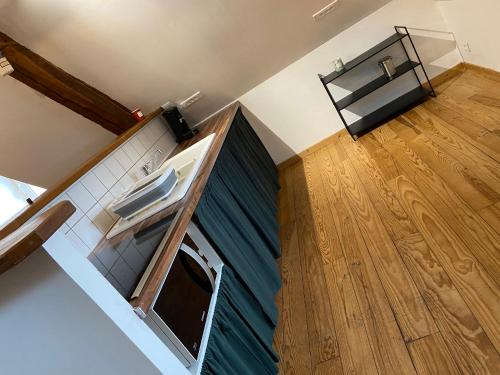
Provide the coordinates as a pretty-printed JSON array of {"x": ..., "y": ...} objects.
[{"x": 184, "y": 209}]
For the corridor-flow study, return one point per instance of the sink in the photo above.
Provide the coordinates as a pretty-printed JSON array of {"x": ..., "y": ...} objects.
[{"x": 186, "y": 165}]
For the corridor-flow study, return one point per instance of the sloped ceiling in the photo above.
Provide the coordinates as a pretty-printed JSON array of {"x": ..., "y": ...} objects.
[{"x": 143, "y": 53}]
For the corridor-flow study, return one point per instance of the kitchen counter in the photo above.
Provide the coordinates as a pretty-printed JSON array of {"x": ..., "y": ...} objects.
[{"x": 182, "y": 210}]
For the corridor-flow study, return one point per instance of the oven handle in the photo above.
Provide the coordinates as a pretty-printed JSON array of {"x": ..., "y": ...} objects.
[{"x": 198, "y": 259}]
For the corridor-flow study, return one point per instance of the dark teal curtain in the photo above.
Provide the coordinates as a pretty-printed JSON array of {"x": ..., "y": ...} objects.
[
  {"x": 258, "y": 206},
  {"x": 239, "y": 244},
  {"x": 235, "y": 346},
  {"x": 238, "y": 213}
]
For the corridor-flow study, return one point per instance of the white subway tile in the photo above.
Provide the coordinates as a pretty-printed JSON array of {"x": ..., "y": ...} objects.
[
  {"x": 131, "y": 152},
  {"x": 126, "y": 181},
  {"x": 114, "y": 167},
  {"x": 123, "y": 159},
  {"x": 100, "y": 217},
  {"x": 105, "y": 176},
  {"x": 78, "y": 243},
  {"x": 141, "y": 136},
  {"x": 138, "y": 146},
  {"x": 88, "y": 232},
  {"x": 65, "y": 228},
  {"x": 135, "y": 174},
  {"x": 117, "y": 189},
  {"x": 77, "y": 215},
  {"x": 81, "y": 196},
  {"x": 166, "y": 143},
  {"x": 151, "y": 134},
  {"x": 159, "y": 127},
  {"x": 106, "y": 200},
  {"x": 94, "y": 185}
]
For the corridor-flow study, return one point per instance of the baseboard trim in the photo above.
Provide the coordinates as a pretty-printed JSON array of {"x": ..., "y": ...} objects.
[
  {"x": 490, "y": 73},
  {"x": 310, "y": 150},
  {"x": 448, "y": 74}
]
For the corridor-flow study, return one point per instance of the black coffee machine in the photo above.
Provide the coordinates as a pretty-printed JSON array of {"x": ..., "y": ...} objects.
[{"x": 177, "y": 123}]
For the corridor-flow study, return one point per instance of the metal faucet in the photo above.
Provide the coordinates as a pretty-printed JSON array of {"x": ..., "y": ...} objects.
[{"x": 153, "y": 164}]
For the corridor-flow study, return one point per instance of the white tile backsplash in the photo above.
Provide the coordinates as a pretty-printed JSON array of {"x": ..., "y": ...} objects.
[
  {"x": 88, "y": 232},
  {"x": 73, "y": 219},
  {"x": 81, "y": 196},
  {"x": 130, "y": 151},
  {"x": 123, "y": 159},
  {"x": 94, "y": 185},
  {"x": 126, "y": 181},
  {"x": 114, "y": 167},
  {"x": 106, "y": 200},
  {"x": 117, "y": 189},
  {"x": 146, "y": 142},
  {"x": 139, "y": 147},
  {"x": 104, "y": 175},
  {"x": 92, "y": 194},
  {"x": 78, "y": 243}
]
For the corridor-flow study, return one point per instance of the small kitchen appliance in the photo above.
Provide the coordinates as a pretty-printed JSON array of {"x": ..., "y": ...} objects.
[
  {"x": 177, "y": 123},
  {"x": 182, "y": 310}
]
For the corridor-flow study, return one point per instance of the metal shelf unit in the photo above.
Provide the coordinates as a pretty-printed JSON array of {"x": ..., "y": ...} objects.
[{"x": 376, "y": 117}]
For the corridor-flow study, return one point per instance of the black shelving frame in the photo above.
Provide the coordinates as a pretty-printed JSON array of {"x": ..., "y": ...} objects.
[{"x": 375, "y": 118}]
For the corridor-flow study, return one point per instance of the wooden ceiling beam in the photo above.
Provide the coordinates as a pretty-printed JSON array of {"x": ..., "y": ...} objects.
[{"x": 53, "y": 82}]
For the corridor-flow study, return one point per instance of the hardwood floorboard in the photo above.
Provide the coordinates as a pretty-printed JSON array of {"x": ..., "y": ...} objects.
[
  {"x": 391, "y": 244},
  {"x": 468, "y": 183},
  {"x": 384, "y": 335},
  {"x": 466, "y": 223},
  {"x": 430, "y": 359},
  {"x": 354, "y": 348},
  {"x": 477, "y": 287},
  {"x": 330, "y": 367},
  {"x": 322, "y": 339},
  {"x": 460, "y": 329},
  {"x": 491, "y": 215},
  {"x": 472, "y": 110},
  {"x": 407, "y": 304},
  {"x": 294, "y": 352},
  {"x": 472, "y": 131},
  {"x": 477, "y": 162}
]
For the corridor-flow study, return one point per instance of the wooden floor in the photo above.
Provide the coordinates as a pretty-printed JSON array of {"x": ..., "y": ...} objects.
[{"x": 391, "y": 261}]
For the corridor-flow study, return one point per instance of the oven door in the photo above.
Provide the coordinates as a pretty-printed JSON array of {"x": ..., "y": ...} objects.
[{"x": 181, "y": 307}]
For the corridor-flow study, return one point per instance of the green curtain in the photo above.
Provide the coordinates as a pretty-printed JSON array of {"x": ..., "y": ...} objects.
[
  {"x": 239, "y": 244},
  {"x": 259, "y": 212},
  {"x": 253, "y": 159},
  {"x": 238, "y": 213},
  {"x": 233, "y": 347}
]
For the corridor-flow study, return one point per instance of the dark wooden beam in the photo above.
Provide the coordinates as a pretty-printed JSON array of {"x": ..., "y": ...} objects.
[{"x": 53, "y": 82}]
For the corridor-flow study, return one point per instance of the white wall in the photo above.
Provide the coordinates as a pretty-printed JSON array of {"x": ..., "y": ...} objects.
[
  {"x": 51, "y": 327},
  {"x": 476, "y": 23},
  {"x": 293, "y": 103},
  {"x": 41, "y": 141}
]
